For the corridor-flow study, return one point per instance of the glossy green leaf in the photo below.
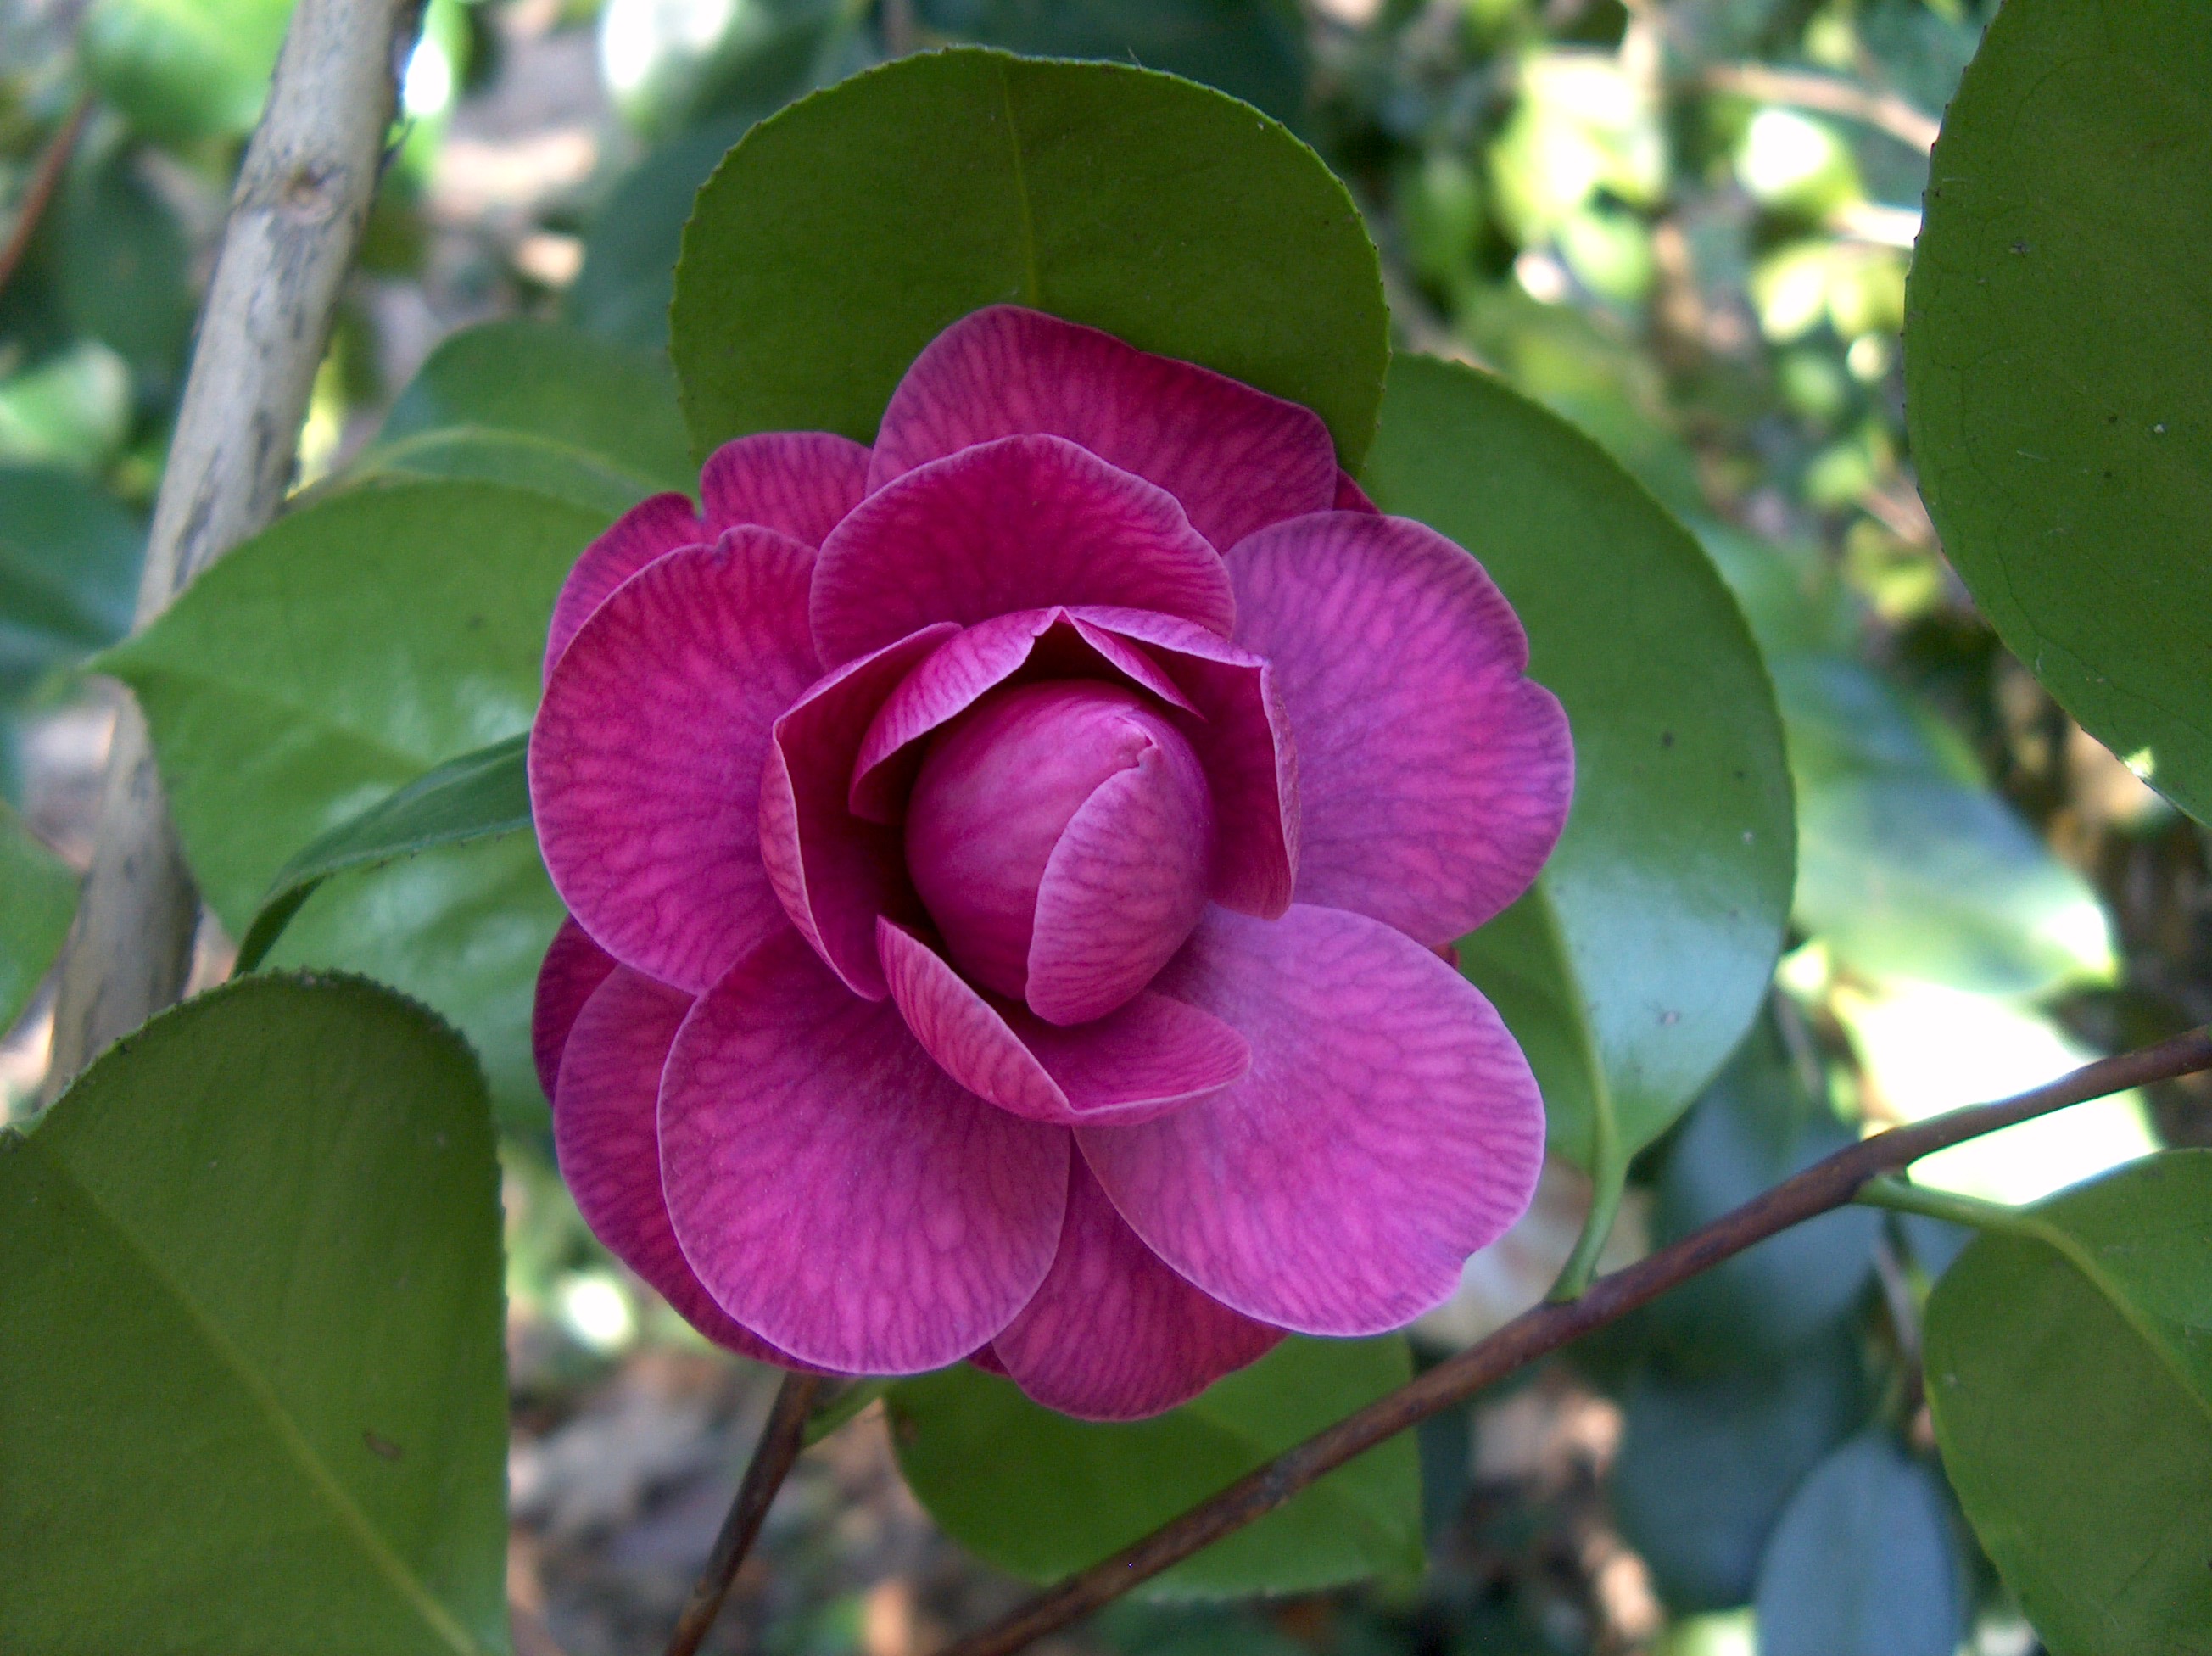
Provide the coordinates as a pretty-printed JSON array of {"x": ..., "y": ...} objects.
[
  {"x": 573, "y": 391},
  {"x": 1709, "y": 1460},
  {"x": 513, "y": 459},
  {"x": 480, "y": 795},
  {"x": 1671, "y": 884},
  {"x": 622, "y": 291},
  {"x": 251, "y": 1394},
  {"x": 332, "y": 659},
  {"x": 69, "y": 571},
  {"x": 2058, "y": 370},
  {"x": 181, "y": 69},
  {"x": 1040, "y": 1494},
  {"x": 38, "y": 898},
  {"x": 844, "y": 234},
  {"x": 2069, "y": 1368},
  {"x": 1755, "y": 1126},
  {"x": 1862, "y": 1563},
  {"x": 1255, "y": 50}
]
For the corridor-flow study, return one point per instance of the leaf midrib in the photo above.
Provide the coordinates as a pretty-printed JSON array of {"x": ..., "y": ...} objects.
[{"x": 388, "y": 1563}]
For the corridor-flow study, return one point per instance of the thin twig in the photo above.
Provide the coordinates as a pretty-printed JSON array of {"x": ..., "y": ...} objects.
[
  {"x": 295, "y": 219},
  {"x": 1826, "y": 1184},
  {"x": 781, "y": 1441},
  {"x": 38, "y": 194},
  {"x": 1885, "y": 112}
]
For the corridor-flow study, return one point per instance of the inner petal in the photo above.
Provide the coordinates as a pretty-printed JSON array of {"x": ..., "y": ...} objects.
[{"x": 1081, "y": 790}]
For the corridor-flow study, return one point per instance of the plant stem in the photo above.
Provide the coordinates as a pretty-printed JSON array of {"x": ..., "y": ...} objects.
[
  {"x": 295, "y": 219},
  {"x": 1903, "y": 1196},
  {"x": 38, "y": 194},
  {"x": 1827, "y": 1184},
  {"x": 842, "y": 1408},
  {"x": 1608, "y": 1183},
  {"x": 781, "y": 1441}
]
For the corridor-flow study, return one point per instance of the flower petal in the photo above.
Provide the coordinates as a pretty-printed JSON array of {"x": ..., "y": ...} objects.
[
  {"x": 1241, "y": 734},
  {"x": 1351, "y": 497},
  {"x": 1433, "y": 777},
  {"x": 800, "y": 483},
  {"x": 834, "y": 1190},
  {"x": 1122, "y": 888},
  {"x": 656, "y": 526},
  {"x": 644, "y": 763},
  {"x": 1029, "y": 643},
  {"x": 1147, "y": 1058},
  {"x": 1013, "y": 525},
  {"x": 1113, "y": 1335},
  {"x": 1236, "y": 457},
  {"x": 835, "y": 873},
  {"x": 1390, "y": 1128},
  {"x": 573, "y": 966},
  {"x": 604, "y": 1134}
]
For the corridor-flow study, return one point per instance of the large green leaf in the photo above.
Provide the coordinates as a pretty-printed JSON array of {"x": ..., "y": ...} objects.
[
  {"x": 1670, "y": 889},
  {"x": 181, "y": 70},
  {"x": 1255, "y": 50},
  {"x": 68, "y": 570},
  {"x": 1862, "y": 1563},
  {"x": 480, "y": 795},
  {"x": 2059, "y": 365},
  {"x": 250, "y": 1380},
  {"x": 2069, "y": 1367},
  {"x": 844, "y": 234},
  {"x": 38, "y": 897},
  {"x": 332, "y": 659},
  {"x": 1040, "y": 1494}
]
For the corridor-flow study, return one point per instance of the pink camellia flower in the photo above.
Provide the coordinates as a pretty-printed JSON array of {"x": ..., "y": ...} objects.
[{"x": 1007, "y": 868}]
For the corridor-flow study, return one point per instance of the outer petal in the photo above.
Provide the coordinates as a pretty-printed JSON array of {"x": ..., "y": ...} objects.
[
  {"x": 653, "y": 528},
  {"x": 1027, "y": 644},
  {"x": 1390, "y": 1128},
  {"x": 1242, "y": 736},
  {"x": 834, "y": 1190},
  {"x": 835, "y": 873},
  {"x": 1113, "y": 1335},
  {"x": 800, "y": 483},
  {"x": 1148, "y": 1057},
  {"x": 604, "y": 1134},
  {"x": 1433, "y": 778},
  {"x": 1013, "y": 525},
  {"x": 1238, "y": 458},
  {"x": 573, "y": 966},
  {"x": 644, "y": 763},
  {"x": 1351, "y": 497}
]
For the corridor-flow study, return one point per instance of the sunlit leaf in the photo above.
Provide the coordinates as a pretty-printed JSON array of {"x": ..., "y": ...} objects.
[
  {"x": 2058, "y": 369},
  {"x": 251, "y": 1370},
  {"x": 181, "y": 70}
]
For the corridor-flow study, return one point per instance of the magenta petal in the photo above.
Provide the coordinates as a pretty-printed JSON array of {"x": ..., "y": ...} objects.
[
  {"x": 834, "y": 1190},
  {"x": 651, "y": 529},
  {"x": 604, "y": 1134},
  {"x": 573, "y": 966},
  {"x": 1390, "y": 1128},
  {"x": 1123, "y": 888},
  {"x": 1433, "y": 777},
  {"x": 1018, "y": 524},
  {"x": 1351, "y": 497},
  {"x": 835, "y": 873},
  {"x": 644, "y": 763},
  {"x": 1113, "y": 1335},
  {"x": 1037, "y": 643},
  {"x": 1149, "y": 1056},
  {"x": 988, "y": 1359},
  {"x": 1244, "y": 739},
  {"x": 1237, "y": 458},
  {"x": 800, "y": 483}
]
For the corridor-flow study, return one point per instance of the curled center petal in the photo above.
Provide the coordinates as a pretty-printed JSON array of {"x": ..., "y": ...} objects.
[{"x": 1060, "y": 835}]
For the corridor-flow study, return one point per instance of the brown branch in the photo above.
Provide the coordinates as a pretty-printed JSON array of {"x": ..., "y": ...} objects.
[
  {"x": 38, "y": 194},
  {"x": 1885, "y": 112},
  {"x": 781, "y": 1441},
  {"x": 1827, "y": 1184}
]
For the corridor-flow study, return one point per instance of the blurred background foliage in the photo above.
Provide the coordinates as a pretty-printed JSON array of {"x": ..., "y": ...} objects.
[{"x": 1684, "y": 225}]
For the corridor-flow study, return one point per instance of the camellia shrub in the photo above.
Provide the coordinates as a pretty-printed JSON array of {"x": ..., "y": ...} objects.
[{"x": 1064, "y": 832}]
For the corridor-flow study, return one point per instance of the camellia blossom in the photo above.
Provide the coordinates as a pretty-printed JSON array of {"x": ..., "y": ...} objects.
[{"x": 1007, "y": 868}]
